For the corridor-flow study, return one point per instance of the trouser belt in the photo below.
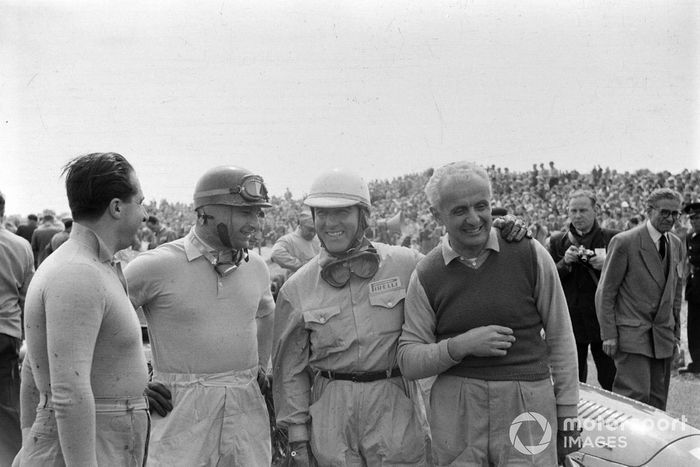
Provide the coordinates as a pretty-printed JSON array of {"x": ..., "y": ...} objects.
[
  {"x": 361, "y": 377},
  {"x": 105, "y": 405}
]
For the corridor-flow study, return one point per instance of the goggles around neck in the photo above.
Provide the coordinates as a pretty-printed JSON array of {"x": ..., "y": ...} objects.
[{"x": 363, "y": 262}]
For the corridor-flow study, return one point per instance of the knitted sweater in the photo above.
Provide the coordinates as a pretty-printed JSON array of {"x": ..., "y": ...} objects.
[{"x": 499, "y": 292}]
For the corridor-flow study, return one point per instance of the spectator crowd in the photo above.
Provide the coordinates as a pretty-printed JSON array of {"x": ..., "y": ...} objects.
[{"x": 538, "y": 196}]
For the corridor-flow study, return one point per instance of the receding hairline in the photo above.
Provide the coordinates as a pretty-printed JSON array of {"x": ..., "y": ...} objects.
[{"x": 464, "y": 171}]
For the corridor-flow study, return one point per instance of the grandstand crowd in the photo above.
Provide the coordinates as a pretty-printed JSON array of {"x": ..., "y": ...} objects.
[{"x": 538, "y": 196}]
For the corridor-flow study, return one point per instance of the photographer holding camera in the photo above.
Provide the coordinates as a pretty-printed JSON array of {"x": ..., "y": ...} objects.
[{"x": 579, "y": 253}]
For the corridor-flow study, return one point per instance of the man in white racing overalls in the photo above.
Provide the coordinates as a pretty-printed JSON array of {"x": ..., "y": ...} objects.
[{"x": 337, "y": 387}]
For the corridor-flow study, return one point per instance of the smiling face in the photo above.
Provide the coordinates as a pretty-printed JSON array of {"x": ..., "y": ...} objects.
[
  {"x": 465, "y": 211},
  {"x": 337, "y": 227},
  {"x": 235, "y": 224}
]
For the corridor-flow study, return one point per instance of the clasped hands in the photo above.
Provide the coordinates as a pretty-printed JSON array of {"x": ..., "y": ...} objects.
[{"x": 484, "y": 341}]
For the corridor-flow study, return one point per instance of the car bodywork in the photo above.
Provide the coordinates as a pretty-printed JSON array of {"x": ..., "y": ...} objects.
[{"x": 618, "y": 431}]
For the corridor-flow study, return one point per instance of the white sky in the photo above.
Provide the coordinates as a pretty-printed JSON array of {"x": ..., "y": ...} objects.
[{"x": 291, "y": 88}]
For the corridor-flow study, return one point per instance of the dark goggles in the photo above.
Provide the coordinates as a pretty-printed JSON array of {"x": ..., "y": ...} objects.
[
  {"x": 363, "y": 264},
  {"x": 252, "y": 189}
]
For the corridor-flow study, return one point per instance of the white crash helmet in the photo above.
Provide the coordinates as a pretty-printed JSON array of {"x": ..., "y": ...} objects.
[{"x": 338, "y": 188}]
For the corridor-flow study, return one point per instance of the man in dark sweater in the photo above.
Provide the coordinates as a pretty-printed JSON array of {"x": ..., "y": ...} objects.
[
  {"x": 579, "y": 253},
  {"x": 490, "y": 319}
]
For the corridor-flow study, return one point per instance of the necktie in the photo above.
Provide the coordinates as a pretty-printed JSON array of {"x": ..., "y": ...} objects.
[{"x": 662, "y": 246}]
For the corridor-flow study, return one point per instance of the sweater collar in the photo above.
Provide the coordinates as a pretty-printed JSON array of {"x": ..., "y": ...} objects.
[{"x": 448, "y": 254}]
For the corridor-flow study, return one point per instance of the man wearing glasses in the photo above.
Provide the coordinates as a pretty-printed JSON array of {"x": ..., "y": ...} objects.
[
  {"x": 209, "y": 310},
  {"x": 638, "y": 301}
]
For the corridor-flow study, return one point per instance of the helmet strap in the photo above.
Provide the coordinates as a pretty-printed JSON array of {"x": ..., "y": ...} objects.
[
  {"x": 227, "y": 259},
  {"x": 222, "y": 230},
  {"x": 224, "y": 262}
]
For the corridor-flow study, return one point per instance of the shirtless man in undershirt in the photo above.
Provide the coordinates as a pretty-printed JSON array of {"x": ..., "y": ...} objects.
[
  {"x": 209, "y": 311},
  {"x": 83, "y": 336}
]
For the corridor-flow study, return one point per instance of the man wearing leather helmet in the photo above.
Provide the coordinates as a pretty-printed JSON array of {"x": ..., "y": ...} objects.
[
  {"x": 340, "y": 317},
  {"x": 208, "y": 306}
]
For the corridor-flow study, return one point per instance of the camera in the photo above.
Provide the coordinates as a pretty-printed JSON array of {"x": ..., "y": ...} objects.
[{"x": 584, "y": 254}]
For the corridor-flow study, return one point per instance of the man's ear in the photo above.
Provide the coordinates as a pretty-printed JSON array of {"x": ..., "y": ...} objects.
[{"x": 115, "y": 207}]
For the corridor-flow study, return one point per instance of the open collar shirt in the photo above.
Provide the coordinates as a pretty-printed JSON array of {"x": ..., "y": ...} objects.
[{"x": 421, "y": 356}]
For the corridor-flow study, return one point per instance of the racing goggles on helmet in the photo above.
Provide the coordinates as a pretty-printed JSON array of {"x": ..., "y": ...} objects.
[
  {"x": 252, "y": 189},
  {"x": 363, "y": 264}
]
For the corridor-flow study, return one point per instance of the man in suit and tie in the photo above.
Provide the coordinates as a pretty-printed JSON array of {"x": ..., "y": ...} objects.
[{"x": 638, "y": 301}]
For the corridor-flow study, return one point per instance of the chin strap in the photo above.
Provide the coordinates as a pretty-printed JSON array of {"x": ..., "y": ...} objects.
[{"x": 224, "y": 262}]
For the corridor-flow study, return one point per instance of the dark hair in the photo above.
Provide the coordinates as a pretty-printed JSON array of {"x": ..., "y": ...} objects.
[
  {"x": 152, "y": 219},
  {"x": 93, "y": 180},
  {"x": 2, "y": 204},
  {"x": 32, "y": 217}
]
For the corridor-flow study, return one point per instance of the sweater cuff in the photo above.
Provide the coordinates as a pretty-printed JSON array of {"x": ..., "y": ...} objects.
[
  {"x": 298, "y": 433},
  {"x": 445, "y": 357},
  {"x": 568, "y": 411}
]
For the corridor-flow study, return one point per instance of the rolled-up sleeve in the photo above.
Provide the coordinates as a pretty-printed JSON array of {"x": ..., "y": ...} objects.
[{"x": 419, "y": 354}]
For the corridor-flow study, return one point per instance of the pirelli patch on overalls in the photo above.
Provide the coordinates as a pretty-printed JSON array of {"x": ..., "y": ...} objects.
[{"x": 385, "y": 285}]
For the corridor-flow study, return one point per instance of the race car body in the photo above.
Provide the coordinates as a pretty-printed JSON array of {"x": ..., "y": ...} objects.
[{"x": 618, "y": 431}]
